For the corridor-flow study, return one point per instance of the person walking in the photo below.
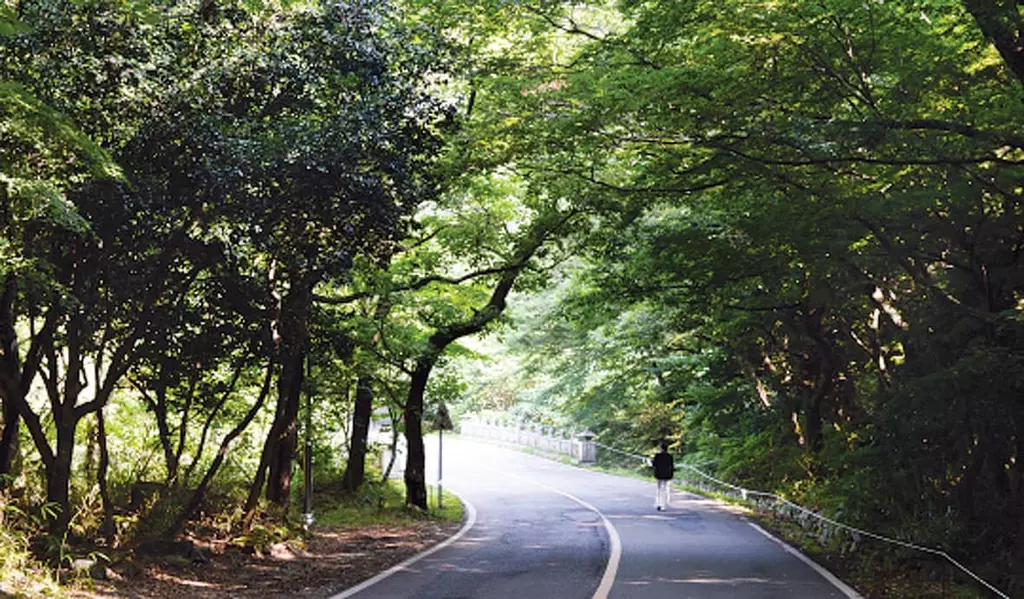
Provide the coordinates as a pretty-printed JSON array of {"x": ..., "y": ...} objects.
[{"x": 664, "y": 470}]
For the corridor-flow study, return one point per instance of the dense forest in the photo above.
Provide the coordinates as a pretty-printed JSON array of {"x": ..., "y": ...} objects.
[{"x": 785, "y": 236}]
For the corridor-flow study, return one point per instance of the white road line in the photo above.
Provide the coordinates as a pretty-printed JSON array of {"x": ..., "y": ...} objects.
[
  {"x": 615, "y": 555},
  {"x": 470, "y": 521},
  {"x": 839, "y": 584}
]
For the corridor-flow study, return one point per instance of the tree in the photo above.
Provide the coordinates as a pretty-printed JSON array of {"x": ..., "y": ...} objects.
[
  {"x": 32, "y": 197},
  {"x": 54, "y": 295},
  {"x": 264, "y": 171},
  {"x": 453, "y": 281},
  {"x": 802, "y": 196},
  {"x": 538, "y": 233},
  {"x": 340, "y": 175},
  {"x": 1003, "y": 26}
]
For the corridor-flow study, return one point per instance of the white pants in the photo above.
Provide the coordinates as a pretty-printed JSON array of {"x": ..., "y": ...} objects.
[{"x": 663, "y": 495}]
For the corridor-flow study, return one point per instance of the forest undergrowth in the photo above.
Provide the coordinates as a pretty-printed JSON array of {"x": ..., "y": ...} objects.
[{"x": 355, "y": 536}]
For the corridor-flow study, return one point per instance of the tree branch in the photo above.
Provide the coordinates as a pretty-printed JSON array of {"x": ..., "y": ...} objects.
[
  {"x": 628, "y": 190},
  {"x": 573, "y": 28},
  {"x": 830, "y": 160},
  {"x": 777, "y": 308},
  {"x": 1002, "y": 24},
  {"x": 413, "y": 286}
]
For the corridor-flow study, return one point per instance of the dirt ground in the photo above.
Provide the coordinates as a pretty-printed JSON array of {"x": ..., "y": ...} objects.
[{"x": 329, "y": 562}]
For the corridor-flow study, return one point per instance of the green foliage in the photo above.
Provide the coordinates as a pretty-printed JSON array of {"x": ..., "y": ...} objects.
[
  {"x": 785, "y": 237},
  {"x": 380, "y": 503},
  {"x": 804, "y": 263},
  {"x": 260, "y": 538},
  {"x": 9, "y": 22},
  {"x": 29, "y": 125},
  {"x": 21, "y": 575}
]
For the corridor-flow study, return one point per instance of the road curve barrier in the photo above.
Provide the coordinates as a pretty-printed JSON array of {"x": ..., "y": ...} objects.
[
  {"x": 580, "y": 447},
  {"x": 824, "y": 529}
]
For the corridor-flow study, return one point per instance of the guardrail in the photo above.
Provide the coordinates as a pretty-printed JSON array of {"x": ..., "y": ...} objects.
[
  {"x": 583, "y": 448},
  {"x": 580, "y": 447},
  {"x": 825, "y": 529}
]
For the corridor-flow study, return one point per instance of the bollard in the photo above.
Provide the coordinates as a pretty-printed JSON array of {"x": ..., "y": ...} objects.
[{"x": 588, "y": 449}]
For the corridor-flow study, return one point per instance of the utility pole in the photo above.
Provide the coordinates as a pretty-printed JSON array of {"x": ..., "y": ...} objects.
[
  {"x": 444, "y": 421},
  {"x": 307, "y": 503},
  {"x": 440, "y": 465}
]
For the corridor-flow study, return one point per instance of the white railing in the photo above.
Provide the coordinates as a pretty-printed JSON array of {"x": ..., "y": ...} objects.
[
  {"x": 546, "y": 439},
  {"x": 582, "y": 448},
  {"x": 823, "y": 528}
]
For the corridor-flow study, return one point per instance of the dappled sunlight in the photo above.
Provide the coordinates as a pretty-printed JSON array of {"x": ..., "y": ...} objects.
[
  {"x": 701, "y": 580},
  {"x": 700, "y": 501},
  {"x": 449, "y": 567},
  {"x": 737, "y": 510},
  {"x": 656, "y": 516},
  {"x": 343, "y": 554},
  {"x": 332, "y": 558},
  {"x": 164, "y": 576},
  {"x": 473, "y": 541},
  {"x": 270, "y": 567},
  {"x": 707, "y": 503},
  {"x": 728, "y": 581}
]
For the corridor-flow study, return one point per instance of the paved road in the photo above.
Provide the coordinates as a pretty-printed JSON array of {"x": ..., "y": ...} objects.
[{"x": 545, "y": 529}]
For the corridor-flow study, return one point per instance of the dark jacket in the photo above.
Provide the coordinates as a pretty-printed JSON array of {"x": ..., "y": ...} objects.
[{"x": 664, "y": 467}]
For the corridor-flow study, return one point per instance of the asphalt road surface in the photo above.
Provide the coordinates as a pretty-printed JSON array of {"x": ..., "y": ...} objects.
[{"x": 539, "y": 528}]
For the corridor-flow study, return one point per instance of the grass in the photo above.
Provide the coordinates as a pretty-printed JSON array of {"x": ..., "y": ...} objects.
[
  {"x": 20, "y": 574},
  {"x": 874, "y": 573},
  {"x": 383, "y": 504},
  {"x": 375, "y": 504}
]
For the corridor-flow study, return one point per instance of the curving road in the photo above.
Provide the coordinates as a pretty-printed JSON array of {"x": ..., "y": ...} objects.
[{"x": 538, "y": 528}]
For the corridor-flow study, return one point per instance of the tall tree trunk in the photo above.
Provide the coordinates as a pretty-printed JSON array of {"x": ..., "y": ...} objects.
[
  {"x": 254, "y": 493},
  {"x": 164, "y": 430},
  {"x": 9, "y": 437},
  {"x": 355, "y": 470},
  {"x": 1002, "y": 23},
  {"x": 58, "y": 478},
  {"x": 813, "y": 434},
  {"x": 533, "y": 238},
  {"x": 67, "y": 413},
  {"x": 159, "y": 408},
  {"x": 394, "y": 415},
  {"x": 200, "y": 493},
  {"x": 109, "y": 529},
  {"x": 261, "y": 475},
  {"x": 10, "y": 378},
  {"x": 10, "y": 368},
  {"x": 821, "y": 365},
  {"x": 284, "y": 432},
  {"x": 283, "y": 439},
  {"x": 1019, "y": 467},
  {"x": 415, "y": 463}
]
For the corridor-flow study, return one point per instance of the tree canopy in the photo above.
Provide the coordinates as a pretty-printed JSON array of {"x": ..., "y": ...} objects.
[{"x": 786, "y": 237}]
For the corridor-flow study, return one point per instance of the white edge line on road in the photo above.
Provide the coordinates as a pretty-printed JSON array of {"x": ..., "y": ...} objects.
[
  {"x": 612, "y": 568},
  {"x": 839, "y": 584},
  {"x": 470, "y": 521}
]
